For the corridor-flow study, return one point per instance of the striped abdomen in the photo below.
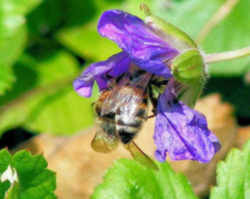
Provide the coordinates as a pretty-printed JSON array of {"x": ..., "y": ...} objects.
[
  {"x": 125, "y": 105},
  {"x": 131, "y": 114}
]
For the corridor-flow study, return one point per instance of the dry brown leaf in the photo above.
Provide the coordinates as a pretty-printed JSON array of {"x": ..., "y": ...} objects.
[{"x": 243, "y": 136}]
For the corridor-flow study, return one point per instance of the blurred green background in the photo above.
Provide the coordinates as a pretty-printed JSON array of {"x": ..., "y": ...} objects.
[{"x": 45, "y": 44}]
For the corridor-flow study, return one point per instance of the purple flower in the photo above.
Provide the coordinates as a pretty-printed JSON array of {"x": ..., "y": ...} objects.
[
  {"x": 182, "y": 131},
  {"x": 99, "y": 72},
  {"x": 179, "y": 130},
  {"x": 140, "y": 46}
]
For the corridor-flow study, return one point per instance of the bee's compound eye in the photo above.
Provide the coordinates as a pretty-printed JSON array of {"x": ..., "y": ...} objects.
[{"x": 126, "y": 137}]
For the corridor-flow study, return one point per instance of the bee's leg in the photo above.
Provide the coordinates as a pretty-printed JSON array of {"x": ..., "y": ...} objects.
[
  {"x": 159, "y": 83},
  {"x": 153, "y": 101},
  {"x": 151, "y": 116},
  {"x": 140, "y": 156}
]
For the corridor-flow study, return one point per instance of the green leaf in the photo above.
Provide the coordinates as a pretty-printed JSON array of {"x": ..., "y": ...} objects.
[
  {"x": 5, "y": 158},
  {"x": 196, "y": 12},
  {"x": 87, "y": 43},
  {"x": 46, "y": 18},
  {"x": 43, "y": 99},
  {"x": 34, "y": 180},
  {"x": 129, "y": 179},
  {"x": 85, "y": 40},
  {"x": 4, "y": 186},
  {"x": 6, "y": 78},
  {"x": 12, "y": 36},
  {"x": 230, "y": 34},
  {"x": 233, "y": 175}
]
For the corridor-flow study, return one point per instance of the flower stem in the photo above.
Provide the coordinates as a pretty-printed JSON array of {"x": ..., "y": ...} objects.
[
  {"x": 218, "y": 16},
  {"x": 229, "y": 55}
]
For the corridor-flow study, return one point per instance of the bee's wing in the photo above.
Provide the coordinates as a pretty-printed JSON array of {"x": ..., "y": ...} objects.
[
  {"x": 140, "y": 156},
  {"x": 104, "y": 142}
]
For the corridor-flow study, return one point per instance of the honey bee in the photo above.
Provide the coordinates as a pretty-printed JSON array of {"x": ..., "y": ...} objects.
[{"x": 121, "y": 110}]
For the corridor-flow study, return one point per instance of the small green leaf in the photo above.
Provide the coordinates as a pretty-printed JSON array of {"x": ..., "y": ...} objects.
[
  {"x": 5, "y": 159},
  {"x": 4, "y": 186},
  {"x": 34, "y": 180},
  {"x": 233, "y": 175},
  {"x": 188, "y": 68},
  {"x": 129, "y": 179}
]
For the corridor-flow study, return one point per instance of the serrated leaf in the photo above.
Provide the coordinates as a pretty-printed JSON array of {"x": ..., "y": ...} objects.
[
  {"x": 5, "y": 158},
  {"x": 42, "y": 99},
  {"x": 4, "y": 186},
  {"x": 12, "y": 36},
  {"x": 34, "y": 180},
  {"x": 129, "y": 179},
  {"x": 233, "y": 175}
]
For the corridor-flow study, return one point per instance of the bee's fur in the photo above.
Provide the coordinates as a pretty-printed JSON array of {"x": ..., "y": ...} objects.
[{"x": 122, "y": 108}]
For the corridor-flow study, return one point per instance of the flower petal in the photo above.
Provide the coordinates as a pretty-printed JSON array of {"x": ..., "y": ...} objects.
[
  {"x": 114, "y": 66},
  {"x": 145, "y": 48},
  {"x": 182, "y": 132},
  {"x": 83, "y": 88}
]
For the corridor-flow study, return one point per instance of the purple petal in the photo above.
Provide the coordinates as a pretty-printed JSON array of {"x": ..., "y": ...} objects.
[
  {"x": 182, "y": 132},
  {"x": 83, "y": 88},
  {"x": 114, "y": 66},
  {"x": 145, "y": 48},
  {"x": 120, "y": 64}
]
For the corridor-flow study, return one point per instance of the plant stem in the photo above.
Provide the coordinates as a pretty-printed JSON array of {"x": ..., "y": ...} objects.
[
  {"x": 229, "y": 55},
  {"x": 218, "y": 16}
]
